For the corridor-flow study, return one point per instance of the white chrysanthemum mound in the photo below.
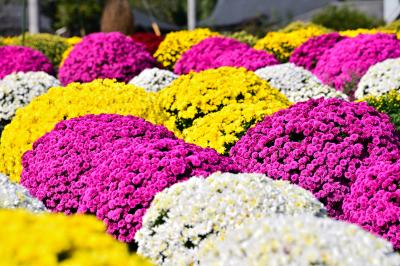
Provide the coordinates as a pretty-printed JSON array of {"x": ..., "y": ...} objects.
[
  {"x": 380, "y": 79},
  {"x": 13, "y": 195},
  {"x": 18, "y": 89},
  {"x": 153, "y": 79},
  {"x": 184, "y": 215},
  {"x": 297, "y": 241},
  {"x": 297, "y": 83}
]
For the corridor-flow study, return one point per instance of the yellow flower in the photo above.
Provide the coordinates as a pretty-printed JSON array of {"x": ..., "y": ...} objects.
[
  {"x": 282, "y": 44},
  {"x": 176, "y": 43},
  {"x": 297, "y": 25},
  {"x": 48, "y": 239},
  {"x": 354, "y": 33},
  {"x": 72, "y": 41},
  {"x": 41, "y": 115},
  {"x": 215, "y": 107}
]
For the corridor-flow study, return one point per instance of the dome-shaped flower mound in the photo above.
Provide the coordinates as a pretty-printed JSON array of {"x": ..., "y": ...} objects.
[
  {"x": 196, "y": 95},
  {"x": 55, "y": 239},
  {"x": 149, "y": 40},
  {"x": 298, "y": 240},
  {"x": 105, "y": 55},
  {"x": 242, "y": 36},
  {"x": 53, "y": 46},
  {"x": 72, "y": 41},
  {"x": 308, "y": 54},
  {"x": 297, "y": 83},
  {"x": 181, "y": 217},
  {"x": 216, "y": 52},
  {"x": 222, "y": 129},
  {"x": 124, "y": 185},
  {"x": 387, "y": 103},
  {"x": 299, "y": 25},
  {"x": 318, "y": 144},
  {"x": 13, "y": 195},
  {"x": 178, "y": 42},
  {"x": 45, "y": 111},
  {"x": 343, "y": 65},
  {"x": 374, "y": 202},
  {"x": 282, "y": 44},
  {"x": 24, "y": 59},
  {"x": 18, "y": 89},
  {"x": 153, "y": 79},
  {"x": 64, "y": 156},
  {"x": 380, "y": 79}
]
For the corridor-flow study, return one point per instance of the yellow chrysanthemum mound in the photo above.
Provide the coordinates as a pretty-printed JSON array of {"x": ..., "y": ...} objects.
[
  {"x": 176, "y": 43},
  {"x": 282, "y": 44},
  {"x": 215, "y": 107},
  {"x": 298, "y": 24},
  {"x": 71, "y": 43},
  {"x": 41, "y": 115},
  {"x": 354, "y": 33},
  {"x": 49, "y": 239}
]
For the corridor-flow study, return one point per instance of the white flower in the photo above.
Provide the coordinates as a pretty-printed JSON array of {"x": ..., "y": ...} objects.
[
  {"x": 380, "y": 79},
  {"x": 18, "y": 89},
  {"x": 187, "y": 213},
  {"x": 13, "y": 195},
  {"x": 297, "y": 83},
  {"x": 154, "y": 79},
  {"x": 302, "y": 240}
]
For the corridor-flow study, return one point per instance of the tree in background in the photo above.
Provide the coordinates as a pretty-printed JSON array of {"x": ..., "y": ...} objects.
[
  {"x": 117, "y": 16},
  {"x": 345, "y": 18}
]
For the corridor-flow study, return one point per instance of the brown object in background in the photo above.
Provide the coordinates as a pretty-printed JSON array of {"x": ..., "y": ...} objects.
[{"x": 117, "y": 16}]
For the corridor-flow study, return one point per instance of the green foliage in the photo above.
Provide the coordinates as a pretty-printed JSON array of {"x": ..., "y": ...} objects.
[
  {"x": 297, "y": 25},
  {"x": 52, "y": 46},
  {"x": 242, "y": 36},
  {"x": 344, "y": 18}
]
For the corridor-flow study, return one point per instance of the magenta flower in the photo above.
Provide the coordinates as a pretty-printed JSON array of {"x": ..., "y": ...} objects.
[
  {"x": 22, "y": 59},
  {"x": 374, "y": 201},
  {"x": 308, "y": 54},
  {"x": 319, "y": 145},
  {"x": 55, "y": 169},
  {"x": 216, "y": 52},
  {"x": 105, "y": 55},
  {"x": 111, "y": 166},
  {"x": 343, "y": 65}
]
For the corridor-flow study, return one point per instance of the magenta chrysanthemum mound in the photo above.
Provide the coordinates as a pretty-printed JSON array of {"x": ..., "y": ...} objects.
[
  {"x": 374, "y": 201},
  {"x": 216, "y": 52},
  {"x": 126, "y": 183},
  {"x": 308, "y": 54},
  {"x": 111, "y": 166},
  {"x": 55, "y": 169},
  {"x": 319, "y": 145},
  {"x": 343, "y": 65},
  {"x": 105, "y": 55},
  {"x": 22, "y": 59}
]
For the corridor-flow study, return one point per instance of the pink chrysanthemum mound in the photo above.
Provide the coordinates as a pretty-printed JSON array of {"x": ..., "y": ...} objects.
[
  {"x": 319, "y": 145},
  {"x": 22, "y": 59},
  {"x": 374, "y": 202},
  {"x": 111, "y": 166},
  {"x": 343, "y": 65},
  {"x": 216, "y": 52},
  {"x": 55, "y": 169},
  {"x": 308, "y": 54},
  {"x": 125, "y": 184},
  {"x": 105, "y": 55}
]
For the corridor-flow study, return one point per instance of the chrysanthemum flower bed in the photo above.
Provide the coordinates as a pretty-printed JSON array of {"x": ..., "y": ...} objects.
[
  {"x": 22, "y": 59},
  {"x": 105, "y": 55},
  {"x": 202, "y": 98},
  {"x": 45, "y": 111},
  {"x": 216, "y": 52},
  {"x": 183, "y": 216},
  {"x": 319, "y": 144},
  {"x": 55, "y": 239},
  {"x": 153, "y": 79}
]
